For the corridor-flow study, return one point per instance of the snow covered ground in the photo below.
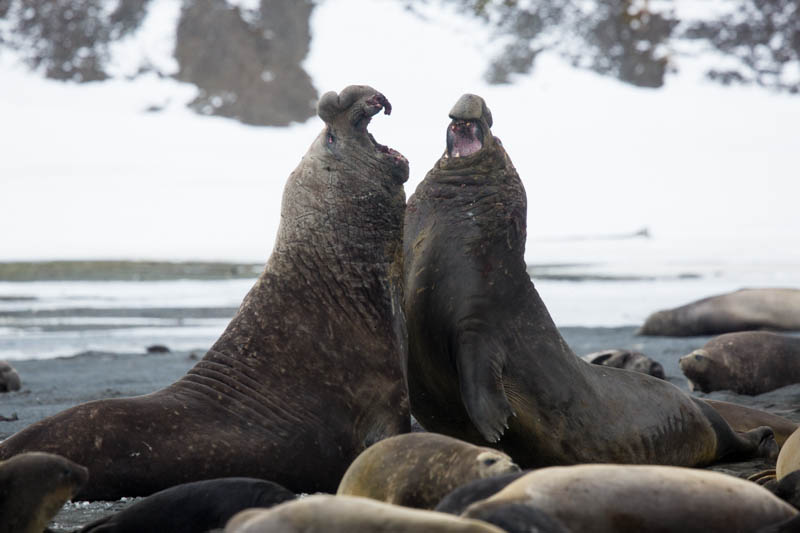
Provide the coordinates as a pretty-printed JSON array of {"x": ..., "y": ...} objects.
[{"x": 87, "y": 173}]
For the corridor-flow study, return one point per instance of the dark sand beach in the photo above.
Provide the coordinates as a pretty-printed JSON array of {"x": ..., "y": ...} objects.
[{"x": 51, "y": 385}]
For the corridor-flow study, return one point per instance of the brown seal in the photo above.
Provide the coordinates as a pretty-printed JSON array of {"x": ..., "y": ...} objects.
[
  {"x": 33, "y": 488},
  {"x": 748, "y": 362},
  {"x": 484, "y": 354},
  {"x": 419, "y": 469},
  {"x": 742, "y": 310},
  {"x": 348, "y": 514},
  {"x": 628, "y": 360},
  {"x": 309, "y": 372},
  {"x": 607, "y": 498},
  {"x": 742, "y": 418}
]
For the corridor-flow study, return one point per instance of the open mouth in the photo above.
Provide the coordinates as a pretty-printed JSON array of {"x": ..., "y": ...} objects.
[
  {"x": 372, "y": 106},
  {"x": 464, "y": 137}
]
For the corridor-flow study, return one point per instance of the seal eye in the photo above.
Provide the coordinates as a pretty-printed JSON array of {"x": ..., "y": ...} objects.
[{"x": 489, "y": 461}]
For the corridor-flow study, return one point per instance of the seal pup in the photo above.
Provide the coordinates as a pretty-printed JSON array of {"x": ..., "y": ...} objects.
[
  {"x": 742, "y": 310},
  {"x": 419, "y": 469},
  {"x": 33, "y": 488},
  {"x": 486, "y": 360},
  {"x": 609, "y": 498},
  {"x": 747, "y": 362},
  {"x": 346, "y": 514},
  {"x": 311, "y": 369},
  {"x": 628, "y": 360},
  {"x": 9, "y": 378},
  {"x": 192, "y": 507}
]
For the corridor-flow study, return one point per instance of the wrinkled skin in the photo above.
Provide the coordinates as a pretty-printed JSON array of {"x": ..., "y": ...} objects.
[
  {"x": 742, "y": 310},
  {"x": 746, "y": 362},
  {"x": 33, "y": 488},
  {"x": 308, "y": 373},
  {"x": 419, "y": 469},
  {"x": 486, "y": 362}
]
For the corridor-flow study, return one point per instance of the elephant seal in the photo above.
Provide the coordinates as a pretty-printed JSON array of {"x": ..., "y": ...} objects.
[
  {"x": 789, "y": 458},
  {"x": 9, "y": 378},
  {"x": 606, "y": 498},
  {"x": 462, "y": 497},
  {"x": 742, "y": 418},
  {"x": 742, "y": 310},
  {"x": 346, "y": 514},
  {"x": 311, "y": 369},
  {"x": 192, "y": 507},
  {"x": 486, "y": 360},
  {"x": 419, "y": 469},
  {"x": 628, "y": 360},
  {"x": 748, "y": 362},
  {"x": 33, "y": 488}
]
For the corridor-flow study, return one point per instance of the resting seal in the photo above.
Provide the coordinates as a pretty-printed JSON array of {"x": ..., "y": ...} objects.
[
  {"x": 192, "y": 507},
  {"x": 742, "y": 418},
  {"x": 348, "y": 514},
  {"x": 745, "y": 309},
  {"x": 484, "y": 353},
  {"x": 462, "y": 497},
  {"x": 607, "y": 498},
  {"x": 33, "y": 488},
  {"x": 311, "y": 369},
  {"x": 628, "y": 360},
  {"x": 419, "y": 469},
  {"x": 748, "y": 362},
  {"x": 9, "y": 378},
  {"x": 789, "y": 458}
]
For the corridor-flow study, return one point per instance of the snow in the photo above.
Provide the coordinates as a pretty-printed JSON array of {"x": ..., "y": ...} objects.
[{"x": 87, "y": 172}]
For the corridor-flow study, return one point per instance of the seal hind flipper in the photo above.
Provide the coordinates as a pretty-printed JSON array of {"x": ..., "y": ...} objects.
[{"x": 480, "y": 365}]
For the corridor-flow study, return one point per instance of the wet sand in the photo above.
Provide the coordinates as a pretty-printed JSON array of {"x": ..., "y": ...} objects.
[{"x": 52, "y": 385}]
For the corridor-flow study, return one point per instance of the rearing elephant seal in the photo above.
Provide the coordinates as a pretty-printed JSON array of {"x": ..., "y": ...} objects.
[
  {"x": 745, "y": 309},
  {"x": 308, "y": 373},
  {"x": 419, "y": 469},
  {"x": 747, "y": 362},
  {"x": 484, "y": 354}
]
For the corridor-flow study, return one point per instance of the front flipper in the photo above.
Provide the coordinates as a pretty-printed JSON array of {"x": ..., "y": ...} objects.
[{"x": 480, "y": 366}]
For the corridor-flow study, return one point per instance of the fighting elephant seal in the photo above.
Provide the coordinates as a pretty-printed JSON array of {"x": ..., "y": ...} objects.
[
  {"x": 484, "y": 354},
  {"x": 747, "y": 362},
  {"x": 742, "y": 310},
  {"x": 628, "y": 360},
  {"x": 192, "y": 507},
  {"x": 608, "y": 498},
  {"x": 33, "y": 488},
  {"x": 419, "y": 469},
  {"x": 311, "y": 369},
  {"x": 347, "y": 514}
]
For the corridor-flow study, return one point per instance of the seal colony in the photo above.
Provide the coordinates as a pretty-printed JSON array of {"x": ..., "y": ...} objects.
[
  {"x": 311, "y": 369},
  {"x": 486, "y": 360}
]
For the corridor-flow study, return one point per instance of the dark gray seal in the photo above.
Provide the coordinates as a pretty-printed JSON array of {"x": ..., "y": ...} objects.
[
  {"x": 33, "y": 488},
  {"x": 604, "y": 498},
  {"x": 486, "y": 360},
  {"x": 747, "y": 362},
  {"x": 419, "y": 469},
  {"x": 628, "y": 360},
  {"x": 742, "y": 310},
  {"x": 192, "y": 507},
  {"x": 309, "y": 372},
  {"x": 9, "y": 378}
]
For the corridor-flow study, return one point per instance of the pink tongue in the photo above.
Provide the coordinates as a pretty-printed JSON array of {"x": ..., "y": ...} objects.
[{"x": 464, "y": 145}]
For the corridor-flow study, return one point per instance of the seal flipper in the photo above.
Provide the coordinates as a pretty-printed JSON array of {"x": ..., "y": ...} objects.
[{"x": 480, "y": 366}]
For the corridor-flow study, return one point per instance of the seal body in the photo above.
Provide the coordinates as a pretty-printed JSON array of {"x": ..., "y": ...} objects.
[
  {"x": 486, "y": 360},
  {"x": 789, "y": 458},
  {"x": 627, "y": 360},
  {"x": 742, "y": 310},
  {"x": 192, "y": 507},
  {"x": 33, "y": 488},
  {"x": 742, "y": 418},
  {"x": 419, "y": 469},
  {"x": 346, "y": 514},
  {"x": 311, "y": 369},
  {"x": 9, "y": 378},
  {"x": 457, "y": 501},
  {"x": 747, "y": 362},
  {"x": 611, "y": 498}
]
